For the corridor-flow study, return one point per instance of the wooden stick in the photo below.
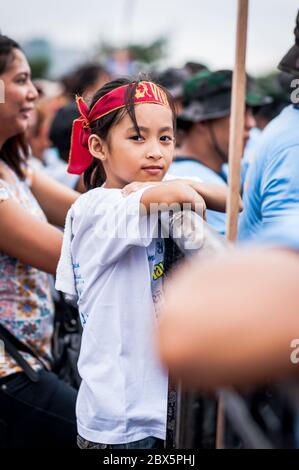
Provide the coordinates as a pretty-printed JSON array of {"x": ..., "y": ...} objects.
[
  {"x": 237, "y": 122},
  {"x": 220, "y": 424},
  {"x": 235, "y": 155}
]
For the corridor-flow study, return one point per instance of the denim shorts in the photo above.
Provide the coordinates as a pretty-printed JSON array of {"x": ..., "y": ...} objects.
[{"x": 147, "y": 443}]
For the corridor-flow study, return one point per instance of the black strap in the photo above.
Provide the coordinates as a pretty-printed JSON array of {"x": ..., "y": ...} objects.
[{"x": 13, "y": 345}]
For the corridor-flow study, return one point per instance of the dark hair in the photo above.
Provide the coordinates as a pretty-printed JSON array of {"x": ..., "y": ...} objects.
[
  {"x": 60, "y": 131},
  {"x": 95, "y": 175},
  {"x": 83, "y": 77},
  {"x": 15, "y": 150}
]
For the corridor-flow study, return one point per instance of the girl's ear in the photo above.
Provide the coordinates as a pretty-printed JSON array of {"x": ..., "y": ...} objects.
[{"x": 97, "y": 147}]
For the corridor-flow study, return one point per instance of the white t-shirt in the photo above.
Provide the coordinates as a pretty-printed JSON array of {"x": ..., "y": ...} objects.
[{"x": 117, "y": 272}]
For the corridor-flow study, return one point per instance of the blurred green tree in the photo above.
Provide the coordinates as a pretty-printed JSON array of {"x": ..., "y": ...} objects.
[
  {"x": 149, "y": 53},
  {"x": 40, "y": 66}
]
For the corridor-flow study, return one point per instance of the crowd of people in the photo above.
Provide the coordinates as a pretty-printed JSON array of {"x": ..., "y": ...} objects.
[{"x": 89, "y": 169}]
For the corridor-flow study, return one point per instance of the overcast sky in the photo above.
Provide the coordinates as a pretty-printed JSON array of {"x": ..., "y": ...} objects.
[{"x": 202, "y": 30}]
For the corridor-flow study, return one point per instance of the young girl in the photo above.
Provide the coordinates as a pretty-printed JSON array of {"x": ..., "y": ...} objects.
[{"x": 112, "y": 260}]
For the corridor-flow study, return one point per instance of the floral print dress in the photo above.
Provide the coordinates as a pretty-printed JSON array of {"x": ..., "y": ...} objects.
[{"x": 26, "y": 307}]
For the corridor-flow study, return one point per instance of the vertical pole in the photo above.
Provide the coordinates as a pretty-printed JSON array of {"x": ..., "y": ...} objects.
[
  {"x": 235, "y": 155},
  {"x": 237, "y": 122}
]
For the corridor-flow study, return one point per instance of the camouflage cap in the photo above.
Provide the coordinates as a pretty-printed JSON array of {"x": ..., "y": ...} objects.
[
  {"x": 207, "y": 95},
  {"x": 290, "y": 62},
  {"x": 256, "y": 95}
]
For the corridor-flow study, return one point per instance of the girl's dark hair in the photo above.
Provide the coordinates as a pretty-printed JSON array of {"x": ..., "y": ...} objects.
[
  {"x": 15, "y": 150},
  {"x": 95, "y": 175}
]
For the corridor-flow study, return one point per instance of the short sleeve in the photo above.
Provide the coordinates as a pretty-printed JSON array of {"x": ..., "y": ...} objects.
[
  {"x": 116, "y": 222},
  {"x": 279, "y": 186},
  {"x": 65, "y": 279}
]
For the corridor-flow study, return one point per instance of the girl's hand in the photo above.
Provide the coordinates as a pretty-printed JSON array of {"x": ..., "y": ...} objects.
[{"x": 136, "y": 185}]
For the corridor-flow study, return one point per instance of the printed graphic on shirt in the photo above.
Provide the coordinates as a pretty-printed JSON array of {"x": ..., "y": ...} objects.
[
  {"x": 83, "y": 317},
  {"x": 78, "y": 278},
  {"x": 157, "y": 270},
  {"x": 160, "y": 247},
  {"x": 79, "y": 281}
]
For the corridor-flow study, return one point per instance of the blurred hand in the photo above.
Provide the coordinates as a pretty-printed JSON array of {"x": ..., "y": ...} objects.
[{"x": 231, "y": 320}]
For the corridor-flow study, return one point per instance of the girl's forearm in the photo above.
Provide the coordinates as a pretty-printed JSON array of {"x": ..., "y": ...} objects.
[
  {"x": 215, "y": 195},
  {"x": 165, "y": 195}
]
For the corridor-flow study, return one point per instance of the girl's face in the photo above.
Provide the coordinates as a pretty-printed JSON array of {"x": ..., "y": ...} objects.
[
  {"x": 19, "y": 97},
  {"x": 126, "y": 157}
]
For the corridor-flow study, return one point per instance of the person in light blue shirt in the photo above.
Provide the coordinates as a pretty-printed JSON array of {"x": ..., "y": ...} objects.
[
  {"x": 183, "y": 167},
  {"x": 271, "y": 192},
  {"x": 205, "y": 121},
  {"x": 248, "y": 156},
  {"x": 284, "y": 234}
]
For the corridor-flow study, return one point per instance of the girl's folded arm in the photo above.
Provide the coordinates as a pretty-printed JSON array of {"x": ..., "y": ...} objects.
[
  {"x": 174, "y": 192},
  {"x": 215, "y": 195}
]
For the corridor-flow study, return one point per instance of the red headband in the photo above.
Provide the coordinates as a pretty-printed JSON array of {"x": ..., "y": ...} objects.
[{"x": 80, "y": 158}]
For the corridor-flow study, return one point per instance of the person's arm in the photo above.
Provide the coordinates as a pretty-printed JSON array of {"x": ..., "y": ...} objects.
[
  {"x": 120, "y": 222},
  {"x": 214, "y": 195},
  {"x": 28, "y": 239},
  {"x": 232, "y": 321},
  {"x": 170, "y": 193},
  {"x": 54, "y": 198}
]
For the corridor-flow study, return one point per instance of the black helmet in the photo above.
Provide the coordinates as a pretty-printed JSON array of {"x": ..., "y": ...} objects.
[{"x": 290, "y": 62}]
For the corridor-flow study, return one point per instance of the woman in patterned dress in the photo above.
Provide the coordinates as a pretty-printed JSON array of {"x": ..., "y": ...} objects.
[{"x": 42, "y": 413}]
